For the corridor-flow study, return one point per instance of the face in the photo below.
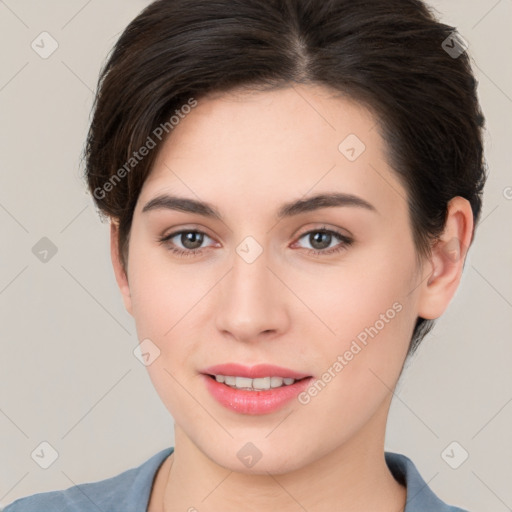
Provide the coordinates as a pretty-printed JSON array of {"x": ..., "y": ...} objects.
[{"x": 324, "y": 289}]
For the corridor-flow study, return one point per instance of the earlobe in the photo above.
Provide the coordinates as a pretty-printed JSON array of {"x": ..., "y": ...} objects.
[
  {"x": 119, "y": 271},
  {"x": 445, "y": 266}
]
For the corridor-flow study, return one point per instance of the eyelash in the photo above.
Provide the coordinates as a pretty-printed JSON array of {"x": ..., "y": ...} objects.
[{"x": 344, "y": 242}]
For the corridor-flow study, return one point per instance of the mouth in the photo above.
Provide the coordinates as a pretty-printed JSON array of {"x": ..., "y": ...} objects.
[
  {"x": 260, "y": 389},
  {"x": 258, "y": 384}
]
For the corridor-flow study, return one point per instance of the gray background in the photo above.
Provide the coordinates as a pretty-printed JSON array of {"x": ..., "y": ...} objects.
[{"x": 69, "y": 376}]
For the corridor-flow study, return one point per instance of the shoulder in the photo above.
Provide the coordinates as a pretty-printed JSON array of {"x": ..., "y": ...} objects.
[
  {"x": 128, "y": 491},
  {"x": 420, "y": 498}
]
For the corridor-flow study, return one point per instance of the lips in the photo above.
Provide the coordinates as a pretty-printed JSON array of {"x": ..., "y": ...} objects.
[
  {"x": 254, "y": 372},
  {"x": 254, "y": 401}
]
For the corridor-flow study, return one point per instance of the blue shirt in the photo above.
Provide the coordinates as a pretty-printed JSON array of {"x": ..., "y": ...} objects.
[{"x": 130, "y": 491}]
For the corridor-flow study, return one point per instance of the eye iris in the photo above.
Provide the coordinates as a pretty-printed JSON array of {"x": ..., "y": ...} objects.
[
  {"x": 314, "y": 239},
  {"x": 191, "y": 239}
]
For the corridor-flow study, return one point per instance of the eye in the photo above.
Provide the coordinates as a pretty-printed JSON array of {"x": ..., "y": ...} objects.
[
  {"x": 322, "y": 238},
  {"x": 190, "y": 239}
]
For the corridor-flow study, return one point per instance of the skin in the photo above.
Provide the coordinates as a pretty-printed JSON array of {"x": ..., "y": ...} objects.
[{"x": 247, "y": 154}]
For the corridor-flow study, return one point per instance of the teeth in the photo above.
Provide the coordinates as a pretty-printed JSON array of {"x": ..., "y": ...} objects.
[
  {"x": 230, "y": 381},
  {"x": 243, "y": 382},
  {"x": 261, "y": 383},
  {"x": 276, "y": 382}
]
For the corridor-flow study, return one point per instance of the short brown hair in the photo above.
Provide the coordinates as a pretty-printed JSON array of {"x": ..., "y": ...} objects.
[{"x": 390, "y": 55}]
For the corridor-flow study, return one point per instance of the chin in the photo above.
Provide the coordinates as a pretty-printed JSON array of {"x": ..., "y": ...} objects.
[{"x": 258, "y": 458}]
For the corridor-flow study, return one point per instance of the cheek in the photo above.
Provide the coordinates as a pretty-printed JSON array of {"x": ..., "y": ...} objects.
[
  {"x": 368, "y": 310},
  {"x": 363, "y": 294},
  {"x": 358, "y": 366},
  {"x": 165, "y": 303},
  {"x": 161, "y": 293},
  {"x": 171, "y": 303}
]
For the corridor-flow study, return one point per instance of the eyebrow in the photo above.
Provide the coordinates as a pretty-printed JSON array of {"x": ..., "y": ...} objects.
[{"x": 326, "y": 200}]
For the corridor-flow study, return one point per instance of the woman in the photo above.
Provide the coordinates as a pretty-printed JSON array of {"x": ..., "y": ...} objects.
[{"x": 292, "y": 188}]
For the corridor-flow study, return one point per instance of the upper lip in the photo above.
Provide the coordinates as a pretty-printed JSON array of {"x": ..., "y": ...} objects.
[{"x": 253, "y": 372}]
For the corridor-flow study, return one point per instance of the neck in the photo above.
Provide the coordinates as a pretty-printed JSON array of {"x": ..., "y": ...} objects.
[{"x": 353, "y": 477}]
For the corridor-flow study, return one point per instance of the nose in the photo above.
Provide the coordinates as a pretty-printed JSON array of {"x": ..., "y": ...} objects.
[{"x": 252, "y": 301}]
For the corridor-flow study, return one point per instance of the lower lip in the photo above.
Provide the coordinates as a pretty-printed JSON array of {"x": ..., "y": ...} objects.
[{"x": 254, "y": 402}]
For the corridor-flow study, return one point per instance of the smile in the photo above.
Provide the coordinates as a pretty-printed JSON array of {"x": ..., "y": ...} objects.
[
  {"x": 259, "y": 384},
  {"x": 259, "y": 389}
]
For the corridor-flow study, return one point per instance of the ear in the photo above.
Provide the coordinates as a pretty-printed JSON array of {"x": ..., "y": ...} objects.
[
  {"x": 119, "y": 271},
  {"x": 444, "y": 267}
]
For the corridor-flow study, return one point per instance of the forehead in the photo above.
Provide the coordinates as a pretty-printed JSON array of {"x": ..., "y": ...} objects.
[{"x": 252, "y": 148}]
